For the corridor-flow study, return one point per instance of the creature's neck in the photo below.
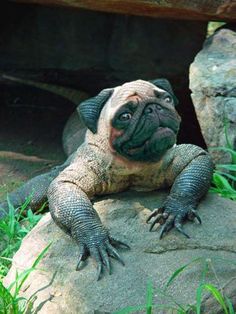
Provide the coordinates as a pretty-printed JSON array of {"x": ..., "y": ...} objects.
[{"x": 100, "y": 145}]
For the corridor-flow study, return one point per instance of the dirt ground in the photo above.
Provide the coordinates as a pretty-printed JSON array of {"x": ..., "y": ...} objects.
[{"x": 30, "y": 136}]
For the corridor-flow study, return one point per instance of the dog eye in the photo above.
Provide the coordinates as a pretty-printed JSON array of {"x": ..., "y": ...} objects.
[
  {"x": 125, "y": 116},
  {"x": 168, "y": 99}
]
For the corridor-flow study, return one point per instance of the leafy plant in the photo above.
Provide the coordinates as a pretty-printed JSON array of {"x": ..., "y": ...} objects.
[
  {"x": 224, "y": 177},
  {"x": 13, "y": 228},
  {"x": 206, "y": 264},
  {"x": 10, "y": 301}
]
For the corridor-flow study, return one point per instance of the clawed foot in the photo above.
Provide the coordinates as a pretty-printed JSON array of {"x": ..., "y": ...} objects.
[
  {"x": 170, "y": 219},
  {"x": 101, "y": 250}
]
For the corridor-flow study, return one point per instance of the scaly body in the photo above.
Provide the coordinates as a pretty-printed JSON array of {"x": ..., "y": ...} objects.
[{"x": 129, "y": 144}]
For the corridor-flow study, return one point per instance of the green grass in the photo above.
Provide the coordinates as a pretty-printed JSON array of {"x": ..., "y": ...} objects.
[
  {"x": 10, "y": 301},
  {"x": 216, "y": 292},
  {"x": 224, "y": 177},
  {"x": 13, "y": 228}
]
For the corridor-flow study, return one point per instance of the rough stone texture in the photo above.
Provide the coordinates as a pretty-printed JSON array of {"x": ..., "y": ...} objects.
[
  {"x": 186, "y": 9},
  {"x": 213, "y": 85},
  {"x": 60, "y": 289}
]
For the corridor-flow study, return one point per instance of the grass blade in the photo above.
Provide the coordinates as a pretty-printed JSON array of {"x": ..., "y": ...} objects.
[
  {"x": 228, "y": 167},
  {"x": 217, "y": 295},
  {"x": 227, "y": 175},
  {"x": 36, "y": 262},
  {"x": 198, "y": 299},
  {"x": 222, "y": 183},
  {"x": 20, "y": 279},
  {"x": 149, "y": 297},
  {"x": 230, "y": 306},
  {"x": 180, "y": 270}
]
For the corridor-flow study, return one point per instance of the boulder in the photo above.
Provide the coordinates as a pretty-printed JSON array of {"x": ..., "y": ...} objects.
[
  {"x": 213, "y": 86},
  {"x": 186, "y": 9},
  {"x": 61, "y": 289}
]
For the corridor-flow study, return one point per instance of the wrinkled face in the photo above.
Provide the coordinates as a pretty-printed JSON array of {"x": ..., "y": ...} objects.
[{"x": 144, "y": 128}]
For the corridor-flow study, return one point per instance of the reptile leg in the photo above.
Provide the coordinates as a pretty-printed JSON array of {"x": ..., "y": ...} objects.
[
  {"x": 169, "y": 220},
  {"x": 72, "y": 211},
  {"x": 189, "y": 187},
  {"x": 100, "y": 253}
]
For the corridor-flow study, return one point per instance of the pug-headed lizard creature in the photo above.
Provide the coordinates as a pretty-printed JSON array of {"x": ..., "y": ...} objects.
[{"x": 130, "y": 142}]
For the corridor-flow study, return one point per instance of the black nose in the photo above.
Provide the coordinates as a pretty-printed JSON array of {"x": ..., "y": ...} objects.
[{"x": 150, "y": 108}]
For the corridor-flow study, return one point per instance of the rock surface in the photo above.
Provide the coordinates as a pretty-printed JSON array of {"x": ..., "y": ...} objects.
[
  {"x": 185, "y": 9},
  {"x": 213, "y": 85},
  {"x": 60, "y": 289}
]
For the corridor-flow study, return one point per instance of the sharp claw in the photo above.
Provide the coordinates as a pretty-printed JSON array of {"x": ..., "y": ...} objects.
[
  {"x": 167, "y": 226},
  {"x": 179, "y": 227},
  {"x": 113, "y": 253},
  {"x": 163, "y": 229},
  {"x": 153, "y": 224},
  {"x": 159, "y": 219},
  {"x": 95, "y": 254},
  {"x": 79, "y": 262},
  {"x": 195, "y": 214},
  {"x": 108, "y": 267},
  {"x": 82, "y": 257},
  {"x": 99, "y": 271},
  {"x": 154, "y": 213},
  {"x": 116, "y": 242},
  {"x": 105, "y": 260}
]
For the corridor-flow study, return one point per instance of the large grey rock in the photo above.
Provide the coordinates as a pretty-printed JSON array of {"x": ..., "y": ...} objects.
[
  {"x": 60, "y": 289},
  {"x": 213, "y": 85}
]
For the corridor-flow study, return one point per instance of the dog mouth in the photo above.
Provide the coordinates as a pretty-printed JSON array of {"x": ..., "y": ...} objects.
[{"x": 149, "y": 146}]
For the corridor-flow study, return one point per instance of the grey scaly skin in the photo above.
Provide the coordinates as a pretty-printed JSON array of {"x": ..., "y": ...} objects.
[{"x": 130, "y": 143}]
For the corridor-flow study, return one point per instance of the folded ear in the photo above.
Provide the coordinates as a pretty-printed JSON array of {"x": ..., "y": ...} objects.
[
  {"x": 90, "y": 109},
  {"x": 165, "y": 84}
]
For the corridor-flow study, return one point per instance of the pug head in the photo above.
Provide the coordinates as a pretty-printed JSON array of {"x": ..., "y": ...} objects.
[{"x": 141, "y": 120}]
